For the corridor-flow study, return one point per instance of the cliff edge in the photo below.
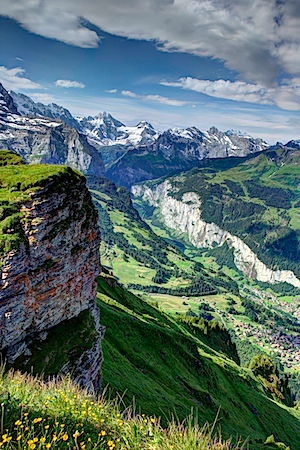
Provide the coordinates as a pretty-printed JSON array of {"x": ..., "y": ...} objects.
[{"x": 49, "y": 260}]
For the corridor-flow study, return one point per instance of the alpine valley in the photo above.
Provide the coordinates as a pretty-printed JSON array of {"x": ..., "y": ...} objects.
[{"x": 161, "y": 267}]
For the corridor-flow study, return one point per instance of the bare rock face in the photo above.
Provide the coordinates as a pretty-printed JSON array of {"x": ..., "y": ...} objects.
[
  {"x": 185, "y": 217},
  {"x": 51, "y": 276}
]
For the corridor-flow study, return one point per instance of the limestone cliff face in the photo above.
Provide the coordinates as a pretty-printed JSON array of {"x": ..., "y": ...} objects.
[
  {"x": 185, "y": 217},
  {"x": 50, "y": 277}
]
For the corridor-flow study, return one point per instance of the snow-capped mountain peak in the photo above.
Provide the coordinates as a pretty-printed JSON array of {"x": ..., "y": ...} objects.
[
  {"x": 43, "y": 139},
  {"x": 105, "y": 130},
  {"x": 295, "y": 143},
  {"x": 27, "y": 107}
]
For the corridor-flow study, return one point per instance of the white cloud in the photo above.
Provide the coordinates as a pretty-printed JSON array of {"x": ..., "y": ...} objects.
[
  {"x": 112, "y": 91},
  {"x": 130, "y": 94},
  {"x": 69, "y": 84},
  {"x": 13, "y": 79},
  {"x": 258, "y": 39},
  {"x": 155, "y": 98},
  {"x": 51, "y": 20},
  {"x": 285, "y": 96}
]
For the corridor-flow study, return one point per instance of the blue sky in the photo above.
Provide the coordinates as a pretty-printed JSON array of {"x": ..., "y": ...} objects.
[{"x": 175, "y": 63}]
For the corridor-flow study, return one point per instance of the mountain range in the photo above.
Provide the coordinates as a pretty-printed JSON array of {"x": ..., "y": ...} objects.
[
  {"x": 130, "y": 153},
  {"x": 42, "y": 139},
  {"x": 209, "y": 251}
]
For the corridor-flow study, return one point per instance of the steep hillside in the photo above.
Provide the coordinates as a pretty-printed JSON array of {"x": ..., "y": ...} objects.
[
  {"x": 242, "y": 220},
  {"x": 170, "y": 366},
  {"x": 138, "y": 257},
  {"x": 256, "y": 201},
  {"x": 49, "y": 259},
  {"x": 45, "y": 140},
  {"x": 58, "y": 415}
]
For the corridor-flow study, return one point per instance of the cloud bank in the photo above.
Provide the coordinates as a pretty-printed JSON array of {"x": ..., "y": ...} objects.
[
  {"x": 14, "y": 79},
  {"x": 155, "y": 98},
  {"x": 69, "y": 84},
  {"x": 258, "y": 39},
  {"x": 285, "y": 96}
]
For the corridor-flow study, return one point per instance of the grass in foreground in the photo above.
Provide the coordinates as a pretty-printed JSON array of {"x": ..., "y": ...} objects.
[{"x": 60, "y": 415}]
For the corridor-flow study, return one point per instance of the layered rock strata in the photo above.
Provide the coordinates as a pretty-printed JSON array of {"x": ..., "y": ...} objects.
[
  {"x": 185, "y": 217},
  {"x": 50, "y": 277}
]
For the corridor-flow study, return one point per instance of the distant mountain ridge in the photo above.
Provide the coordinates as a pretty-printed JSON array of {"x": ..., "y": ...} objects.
[
  {"x": 136, "y": 153},
  {"x": 26, "y": 106},
  {"x": 40, "y": 139},
  {"x": 177, "y": 150},
  {"x": 130, "y": 154},
  {"x": 253, "y": 204}
]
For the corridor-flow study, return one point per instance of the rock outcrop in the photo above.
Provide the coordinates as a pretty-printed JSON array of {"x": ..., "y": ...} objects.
[
  {"x": 185, "y": 217},
  {"x": 50, "y": 276}
]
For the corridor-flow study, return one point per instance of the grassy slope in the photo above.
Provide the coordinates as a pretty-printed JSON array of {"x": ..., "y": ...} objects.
[
  {"x": 64, "y": 344},
  {"x": 169, "y": 369}
]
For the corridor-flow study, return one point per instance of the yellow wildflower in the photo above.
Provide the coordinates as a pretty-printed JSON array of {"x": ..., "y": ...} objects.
[
  {"x": 18, "y": 422},
  {"x": 37, "y": 420},
  {"x": 65, "y": 437},
  {"x": 48, "y": 445}
]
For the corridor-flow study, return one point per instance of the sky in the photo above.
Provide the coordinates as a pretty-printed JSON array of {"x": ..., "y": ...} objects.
[{"x": 233, "y": 64}]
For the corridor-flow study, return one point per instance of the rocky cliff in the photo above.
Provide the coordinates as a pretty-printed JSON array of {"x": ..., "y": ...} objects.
[
  {"x": 184, "y": 216},
  {"x": 49, "y": 256}
]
